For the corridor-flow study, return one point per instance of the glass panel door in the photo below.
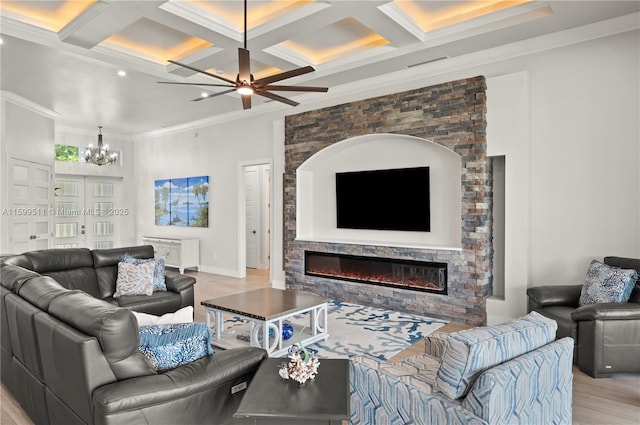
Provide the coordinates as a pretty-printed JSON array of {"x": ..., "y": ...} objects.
[
  {"x": 69, "y": 221},
  {"x": 104, "y": 222},
  {"x": 87, "y": 212}
]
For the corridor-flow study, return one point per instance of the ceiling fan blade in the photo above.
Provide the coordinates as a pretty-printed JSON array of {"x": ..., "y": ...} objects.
[
  {"x": 195, "y": 84},
  {"x": 295, "y": 88},
  {"x": 246, "y": 101},
  {"x": 277, "y": 97},
  {"x": 284, "y": 75},
  {"x": 202, "y": 72},
  {"x": 213, "y": 95},
  {"x": 244, "y": 61}
]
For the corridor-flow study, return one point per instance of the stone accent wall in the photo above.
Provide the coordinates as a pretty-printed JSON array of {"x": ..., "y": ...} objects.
[{"x": 453, "y": 115}]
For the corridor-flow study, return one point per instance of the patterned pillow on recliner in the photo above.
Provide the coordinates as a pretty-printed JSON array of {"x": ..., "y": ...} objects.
[
  {"x": 607, "y": 284},
  {"x": 171, "y": 345}
]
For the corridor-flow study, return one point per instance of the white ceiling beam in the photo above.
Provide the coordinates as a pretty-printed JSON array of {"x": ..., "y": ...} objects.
[{"x": 102, "y": 20}]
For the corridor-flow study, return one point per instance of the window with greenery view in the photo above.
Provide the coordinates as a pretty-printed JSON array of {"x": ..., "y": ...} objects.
[{"x": 67, "y": 153}]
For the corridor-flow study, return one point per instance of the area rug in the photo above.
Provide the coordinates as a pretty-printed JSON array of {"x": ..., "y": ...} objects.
[{"x": 359, "y": 330}]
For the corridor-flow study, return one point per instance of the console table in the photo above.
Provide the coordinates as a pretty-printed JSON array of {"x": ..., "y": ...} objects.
[{"x": 177, "y": 252}]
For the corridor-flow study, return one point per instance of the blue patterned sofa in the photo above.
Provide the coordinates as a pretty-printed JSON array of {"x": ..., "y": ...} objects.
[{"x": 513, "y": 373}]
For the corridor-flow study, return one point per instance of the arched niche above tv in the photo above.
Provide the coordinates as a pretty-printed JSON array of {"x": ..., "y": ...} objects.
[{"x": 316, "y": 190}]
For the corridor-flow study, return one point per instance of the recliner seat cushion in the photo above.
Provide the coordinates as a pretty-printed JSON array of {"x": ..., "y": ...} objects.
[{"x": 157, "y": 303}]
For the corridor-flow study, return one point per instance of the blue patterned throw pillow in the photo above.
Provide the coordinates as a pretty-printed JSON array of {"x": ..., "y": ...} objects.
[
  {"x": 169, "y": 346},
  {"x": 607, "y": 284},
  {"x": 159, "y": 284}
]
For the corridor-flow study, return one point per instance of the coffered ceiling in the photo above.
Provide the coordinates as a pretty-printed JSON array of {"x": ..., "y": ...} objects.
[{"x": 65, "y": 54}]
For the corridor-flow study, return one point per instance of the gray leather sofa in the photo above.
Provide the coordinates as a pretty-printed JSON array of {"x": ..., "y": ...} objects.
[
  {"x": 606, "y": 336},
  {"x": 95, "y": 273},
  {"x": 71, "y": 357}
]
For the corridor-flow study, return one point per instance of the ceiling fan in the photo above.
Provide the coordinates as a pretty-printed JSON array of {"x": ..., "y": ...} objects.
[{"x": 245, "y": 85}]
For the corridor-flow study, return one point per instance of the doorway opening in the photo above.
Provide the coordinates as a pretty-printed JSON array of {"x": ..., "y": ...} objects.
[{"x": 256, "y": 204}]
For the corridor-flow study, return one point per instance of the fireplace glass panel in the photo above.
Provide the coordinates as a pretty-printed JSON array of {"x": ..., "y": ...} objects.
[{"x": 397, "y": 273}]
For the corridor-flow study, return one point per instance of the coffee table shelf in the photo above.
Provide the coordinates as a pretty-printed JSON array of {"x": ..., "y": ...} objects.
[{"x": 265, "y": 311}]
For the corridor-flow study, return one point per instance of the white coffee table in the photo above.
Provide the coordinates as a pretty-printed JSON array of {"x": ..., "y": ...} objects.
[{"x": 266, "y": 310}]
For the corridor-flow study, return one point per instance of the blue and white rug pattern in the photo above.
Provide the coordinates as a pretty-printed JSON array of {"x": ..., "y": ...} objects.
[{"x": 359, "y": 330}]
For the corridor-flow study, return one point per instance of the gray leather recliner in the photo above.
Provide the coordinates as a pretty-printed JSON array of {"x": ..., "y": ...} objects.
[{"x": 607, "y": 336}]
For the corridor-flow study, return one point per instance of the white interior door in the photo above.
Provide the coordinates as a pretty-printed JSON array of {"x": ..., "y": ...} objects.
[
  {"x": 29, "y": 208},
  {"x": 252, "y": 221}
]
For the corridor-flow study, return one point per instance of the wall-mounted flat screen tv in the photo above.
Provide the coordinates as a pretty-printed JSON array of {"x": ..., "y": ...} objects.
[{"x": 394, "y": 199}]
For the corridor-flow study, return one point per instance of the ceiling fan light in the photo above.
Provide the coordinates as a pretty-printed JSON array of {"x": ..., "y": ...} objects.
[{"x": 245, "y": 89}]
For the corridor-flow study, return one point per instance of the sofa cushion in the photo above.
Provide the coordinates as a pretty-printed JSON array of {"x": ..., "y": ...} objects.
[
  {"x": 184, "y": 315},
  {"x": 71, "y": 267},
  {"x": 607, "y": 284},
  {"x": 157, "y": 303},
  {"x": 158, "y": 270},
  {"x": 171, "y": 345},
  {"x": 134, "y": 279},
  {"x": 51, "y": 260},
  {"x": 469, "y": 353}
]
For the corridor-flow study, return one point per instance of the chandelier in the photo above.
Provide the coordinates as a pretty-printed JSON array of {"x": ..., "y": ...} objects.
[{"x": 99, "y": 155}]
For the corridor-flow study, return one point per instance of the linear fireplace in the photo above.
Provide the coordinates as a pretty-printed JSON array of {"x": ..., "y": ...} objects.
[{"x": 396, "y": 273}]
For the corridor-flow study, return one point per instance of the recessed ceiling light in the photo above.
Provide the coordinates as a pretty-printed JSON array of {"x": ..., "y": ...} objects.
[
  {"x": 122, "y": 73},
  {"x": 1, "y": 41},
  {"x": 204, "y": 94}
]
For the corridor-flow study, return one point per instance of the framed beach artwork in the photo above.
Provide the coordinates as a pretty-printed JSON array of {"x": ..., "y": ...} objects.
[{"x": 182, "y": 202}]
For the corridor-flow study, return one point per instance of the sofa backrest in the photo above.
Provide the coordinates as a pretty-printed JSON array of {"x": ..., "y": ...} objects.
[
  {"x": 105, "y": 262},
  {"x": 71, "y": 267},
  {"x": 467, "y": 354},
  {"x": 627, "y": 263},
  {"x": 115, "y": 328}
]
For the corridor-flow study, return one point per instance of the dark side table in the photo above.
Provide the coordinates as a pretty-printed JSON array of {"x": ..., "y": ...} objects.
[{"x": 271, "y": 400}]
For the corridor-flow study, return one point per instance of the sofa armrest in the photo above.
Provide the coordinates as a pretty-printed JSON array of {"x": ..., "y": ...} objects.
[
  {"x": 177, "y": 282},
  {"x": 545, "y": 296},
  {"x": 148, "y": 392},
  {"x": 534, "y": 388},
  {"x": 607, "y": 311},
  {"x": 434, "y": 343}
]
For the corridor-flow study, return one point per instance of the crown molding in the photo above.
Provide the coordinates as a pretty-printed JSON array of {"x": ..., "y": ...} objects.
[
  {"x": 29, "y": 104},
  {"x": 93, "y": 133},
  {"x": 407, "y": 78}
]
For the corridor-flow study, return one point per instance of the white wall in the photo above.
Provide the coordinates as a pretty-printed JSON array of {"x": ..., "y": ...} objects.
[
  {"x": 215, "y": 151},
  {"x": 585, "y": 146},
  {"x": 582, "y": 150}
]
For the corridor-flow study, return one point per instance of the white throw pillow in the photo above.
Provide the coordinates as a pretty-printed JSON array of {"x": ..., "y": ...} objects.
[{"x": 184, "y": 315}]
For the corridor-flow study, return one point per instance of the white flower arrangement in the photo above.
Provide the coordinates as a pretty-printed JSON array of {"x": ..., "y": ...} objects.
[{"x": 302, "y": 365}]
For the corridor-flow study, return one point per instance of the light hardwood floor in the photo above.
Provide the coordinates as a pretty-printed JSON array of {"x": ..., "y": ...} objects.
[{"x": 606, "y": 401}]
